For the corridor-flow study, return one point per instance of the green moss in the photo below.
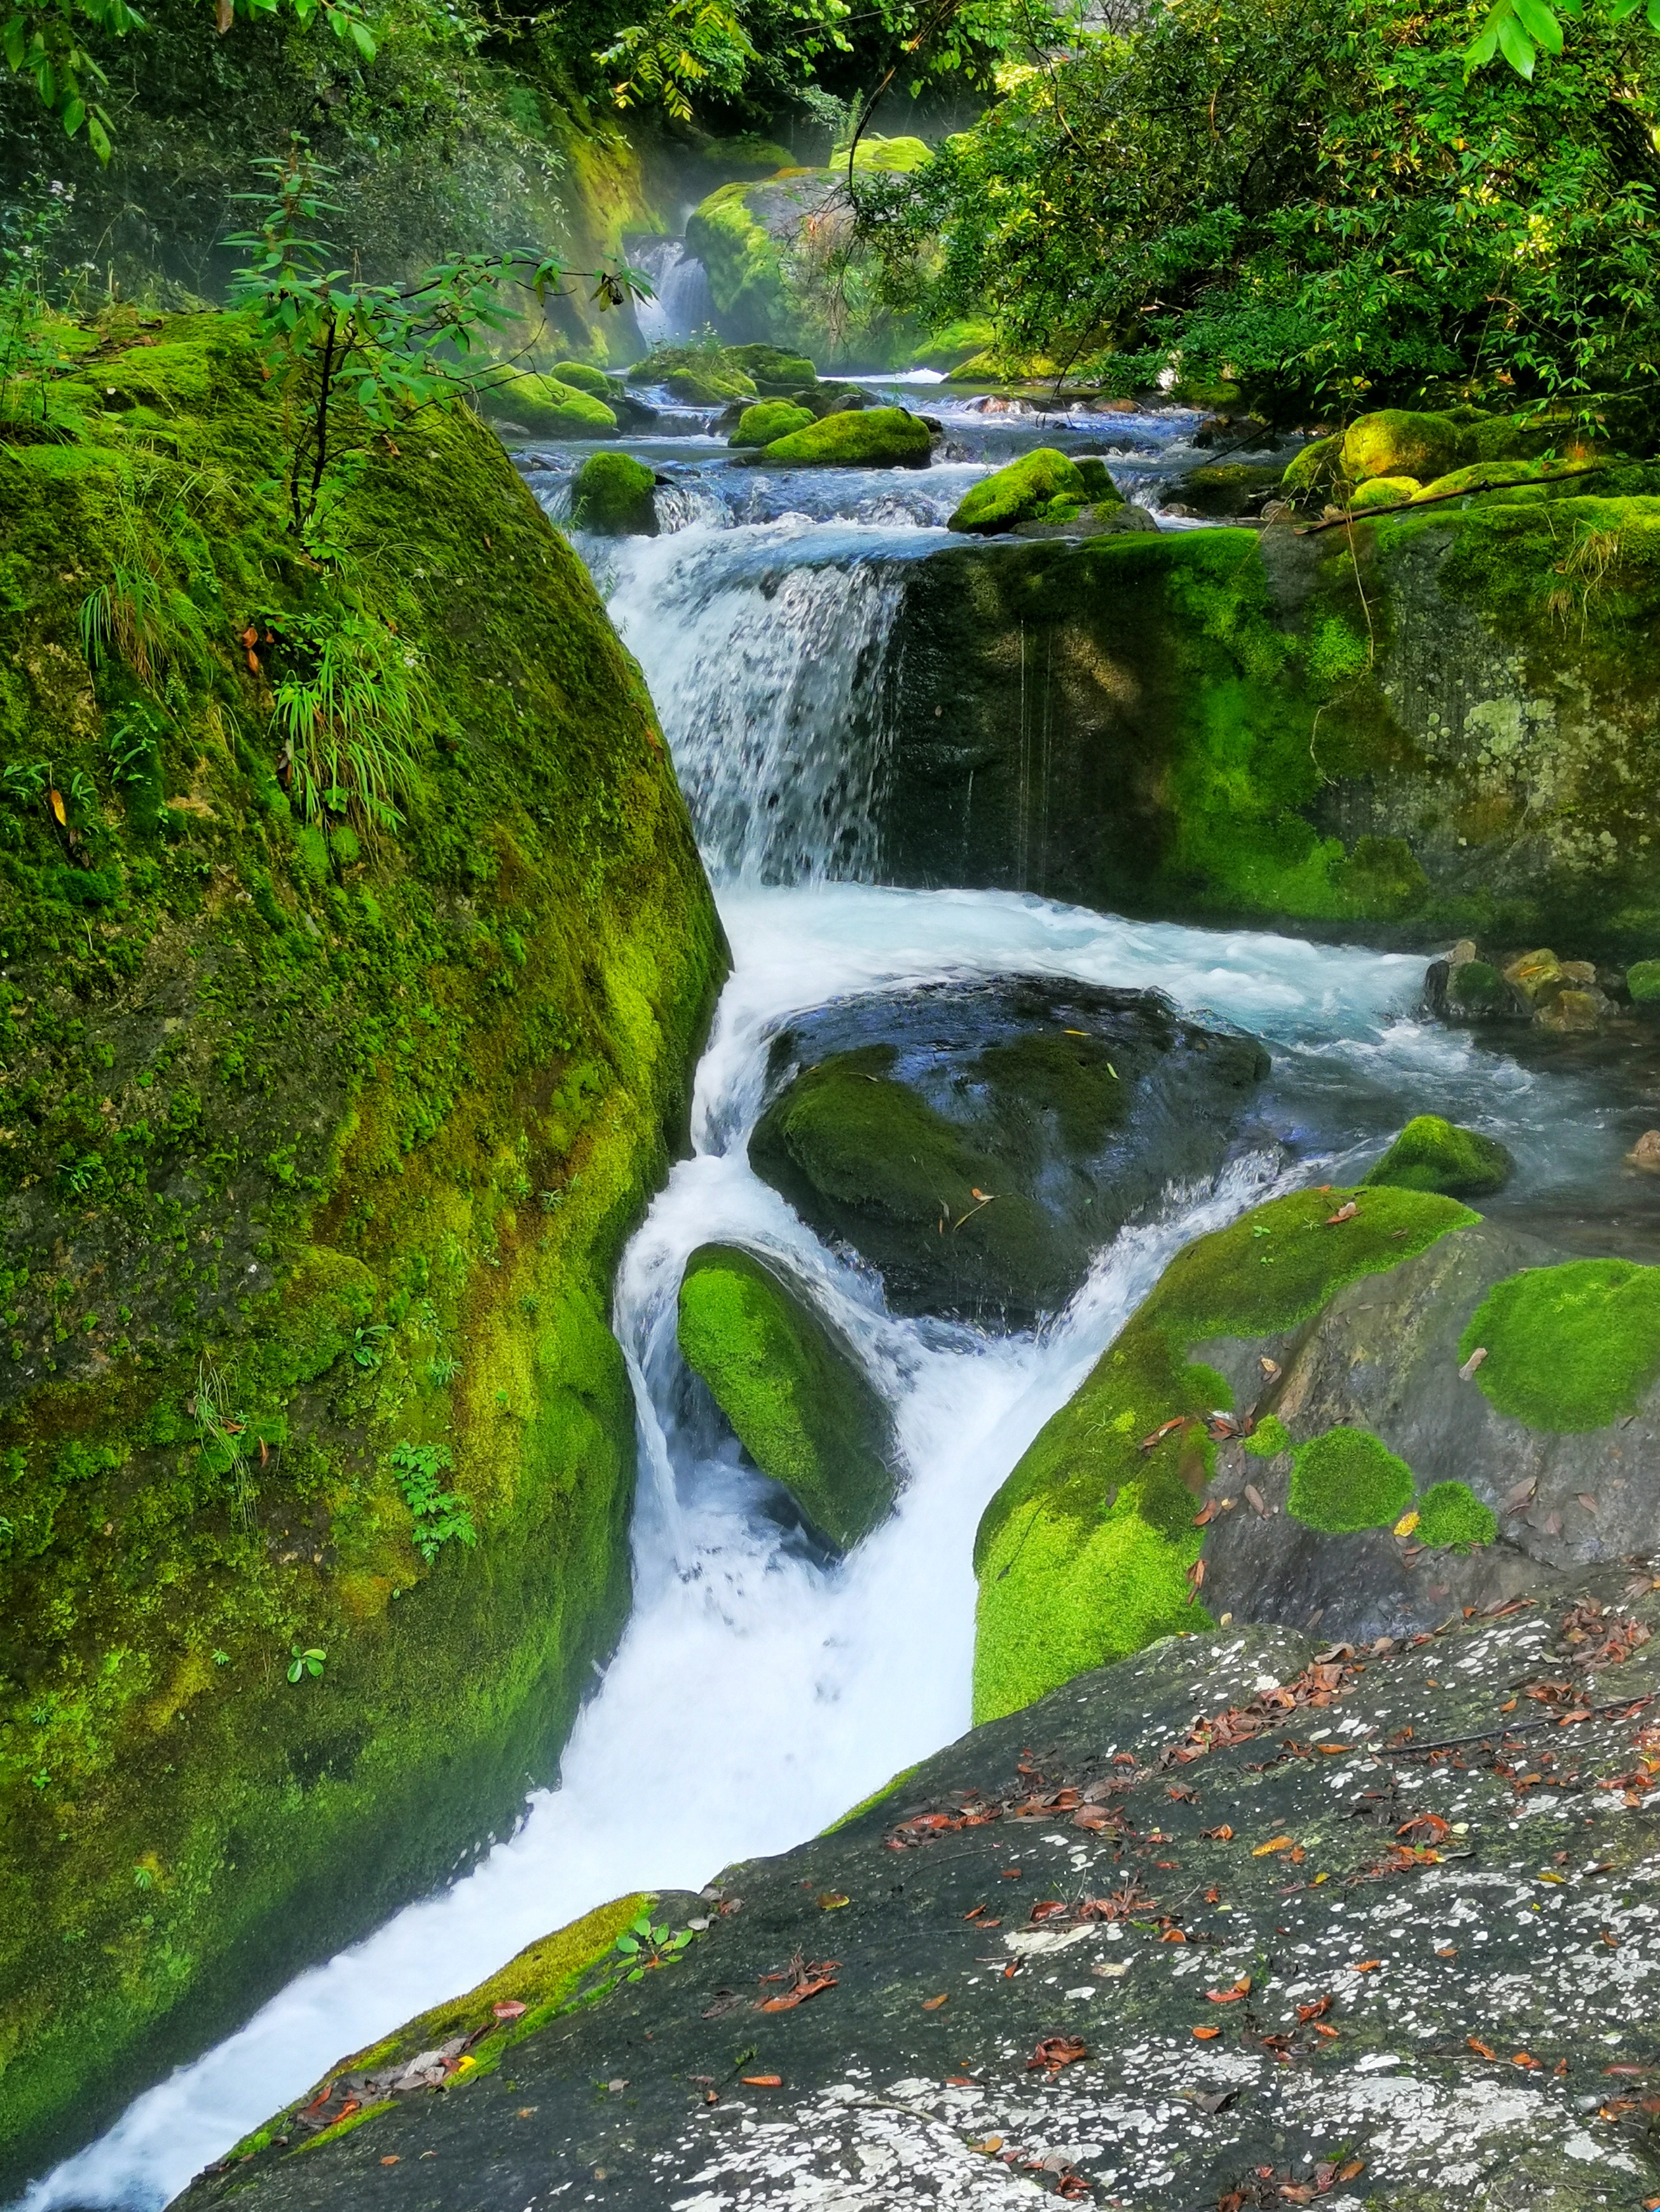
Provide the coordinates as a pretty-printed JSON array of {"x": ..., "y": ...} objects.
[
  {"x": 1382, "y": 491},
  {"x": 869, "y": 1804},
  {"x": 1029, "y": 489},
  {"x": 773, "y": 368},
  {"x": 319, "y": 1142},
  {"x": 708, "y": 386},
  {"x": 1315, "y": 468},
  {"x": 581, "y": 376},
  {"x": 1432, "y": 1154},
  {"x": 745, "y": 268},
  {"x": 1643, "y": 981},
  {"x": 793, "y": 1390},
  {"x": 864, "y": 438},
  {"x": 1396, "y": 442},
  {"x": 1223, "y": 488},
  {"x": 612, "y": 493},
  {"x": 771, "y": 418},
  {"x": 1083, "y": 1555},
  {"x": 547, "y": 408},
  {"x": 1452, "y": 1516},
  {"x": 1268, "y": 1438},
  {"x": 1476, "y": 986},
  {"x": 1569, "y": 1348},
  {"x": 1346, "y": 1480},
  {"x": 345, "y": 2127}
]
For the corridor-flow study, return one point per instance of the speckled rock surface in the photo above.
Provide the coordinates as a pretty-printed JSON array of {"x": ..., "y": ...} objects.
[{"x": 1373, "y": 1929}]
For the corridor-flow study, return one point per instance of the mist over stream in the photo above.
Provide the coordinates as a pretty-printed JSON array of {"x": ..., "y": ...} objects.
[{"x": 758, "y": 1691}]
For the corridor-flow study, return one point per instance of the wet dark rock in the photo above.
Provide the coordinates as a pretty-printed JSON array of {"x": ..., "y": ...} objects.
[
  {"x": 1245, "y": 1920},
  {"x": 978, "y": 1144}
]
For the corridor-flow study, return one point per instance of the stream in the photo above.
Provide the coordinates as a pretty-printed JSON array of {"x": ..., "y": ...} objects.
[{"x": 753, "y": 1698}]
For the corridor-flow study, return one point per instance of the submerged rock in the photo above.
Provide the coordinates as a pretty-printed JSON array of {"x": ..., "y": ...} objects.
[
  {"x": 792, "y": 1388},
  {"x": 1138, "y": 1945},
  {"x": 612, "y": 493},
  {"x": 978, "y": 1144},
  {"x": 1433, "y": 1154}
]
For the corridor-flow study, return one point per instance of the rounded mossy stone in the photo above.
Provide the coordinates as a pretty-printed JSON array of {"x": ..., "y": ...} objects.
[
  {"x": 1450, "y": 1516},
  {"x": 611, "y": 494},
  {"x": 1396, "y": 442},
  {"x": 713, "y": 386},
  {"x": 1382, "y": 491},
  {"x": 774, "y": 369},
  {"x": 768, "y": 419},
  {"x": 1084, "y": 1553},
  {"x": 1569, "y": 1348},
  {"x": 1268, "y": 1439},
  {"x": 581, "y": 377},
  {"x": 1643, "y": 981},
  {"x": 1476, "y": 987},
  {"x": 547, "y": 408},
  {"x": 1433, "y": 1154},
  {"x": 1315, "y": 469},
  {"x": 792, "y": 1388},
  {"x": 863, "y": 438},
  {"x": 1024, "y": 491},
  {"x": 1346, "y": 1480}
]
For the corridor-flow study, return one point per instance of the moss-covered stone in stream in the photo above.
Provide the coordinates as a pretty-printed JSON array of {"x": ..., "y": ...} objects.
[
  {"x": 1569, "y": 1348},
  {"x": 548, "y": 409},
  {"x": 860, "y": 438},
  {"x": 768, "y": 419},
  {"x": 318, "y": 1144},
  {"x": 1084, "y": 1553},
  {"x": 612, "y": 493},
  {"x": 1042, "y": 486},
  {"x": 1432, "y": 1153},
  {"x": 793, "y": 1390}
]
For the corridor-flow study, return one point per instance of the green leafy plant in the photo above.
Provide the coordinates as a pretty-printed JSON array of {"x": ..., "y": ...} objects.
[
  {"x": 440, "y": 1517},
  {"x": 1520, "y": 30},
  {"x": 346, "y": 711},
  {"x": 304, "y": 1662},
  {"x": 647, "y": 1943},
  {"x": 355, "y": 360},
  {"x": 29, "y": 351}
]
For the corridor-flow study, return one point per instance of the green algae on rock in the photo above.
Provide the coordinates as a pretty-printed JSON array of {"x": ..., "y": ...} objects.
[
  {"x": 862, "y": 438},
  {"x": 792, "y": 1388},
  {"x": 1042, "y": 486},
  {"x": 768, "y": 419},
  {"x": 612, "y": 493},
  {"x": 1570, "y": 1347},
  {"x": 1433, "y": 1154},
  {"x": 321, "y": 1140},
  {"x": 1347, "y": 1479},
  {"x": 547, "y": 408},
  {"x": 1084, "y": 1553}
]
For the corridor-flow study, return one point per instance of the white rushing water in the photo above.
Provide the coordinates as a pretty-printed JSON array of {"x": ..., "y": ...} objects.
[{"x": 751, "y": 1700}]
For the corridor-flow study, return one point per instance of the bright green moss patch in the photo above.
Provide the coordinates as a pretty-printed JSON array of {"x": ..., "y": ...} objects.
[
  {"x": 1382, "y": 491},
  {"x": 793, "y": 1390},
  {"x": 877, "y": 1798},
  {"x": 768, "y": 419},
  {"x": 1452, "y": 1516},
  {"x": 1346, "y": 1480},
  {"x": 1396, "y": 442},
  {"x": 1433, "y": 1154},
  {"x": 548, "y": 409},
  {"x": 345, "y": 2127},
  {"x": 1268, "y": 1438},
  {"x": 862, "y": 438},
  {"x": 612, "y": 493},
  {"x": 1037, "y": 487},
  {"x": 1083, "y": 1555},
  {"x": 1643, "y": 981},
  {"x": 1569, "y": 1348}
]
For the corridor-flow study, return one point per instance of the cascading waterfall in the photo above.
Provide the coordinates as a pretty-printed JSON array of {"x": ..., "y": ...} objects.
[
  {"x": 752, "y": 1699},
  {"x": 682, "y": 305}
]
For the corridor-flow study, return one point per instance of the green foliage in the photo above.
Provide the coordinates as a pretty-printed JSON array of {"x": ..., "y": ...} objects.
[
  {"x": 1433, "y": 1154},
  {"x": 1452, "y": 1516},
  {"x": 1569, "y": 1348},
  {"x": 346, "y": 710},
  {"x": 1348, "y": 1478},
  {"x": 29, "y": 350},
  {"x": 309, "y": 1661},
  {"x": 439, "y": 1517},
  {"x": 1285, "y": 196},
  {"x": 1643, "y": 981},
  {"x": 646, "y": 1943}
]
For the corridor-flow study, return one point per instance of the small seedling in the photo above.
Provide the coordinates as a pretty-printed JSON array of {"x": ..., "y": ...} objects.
[
  {"x": 310, "y": 1662},
  {"x": 649, "y": 1943}
]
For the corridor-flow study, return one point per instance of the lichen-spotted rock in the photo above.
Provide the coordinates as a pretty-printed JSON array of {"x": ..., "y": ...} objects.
[{"x": 1238, "y": 1922}]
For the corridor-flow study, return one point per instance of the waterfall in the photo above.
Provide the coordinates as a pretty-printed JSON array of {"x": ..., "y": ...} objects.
[{"x": 683, "y": 305}]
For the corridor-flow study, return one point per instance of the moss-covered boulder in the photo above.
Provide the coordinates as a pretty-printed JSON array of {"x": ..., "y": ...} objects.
[
  {"x": 1382, "y": 491},
  {"x": 1041, "y": 486},
  {"x": 978, "y": 1145},
  {"x": 1569, "y": 1348},
  {"x": 1433, "y": 1154},
  {"x": 327, "y": 1106},
  {"x": 582, "y": 376},
  {"x": 1642, "y": 982},
  {"x": 771, "y": 418},
  {"x": 1088, "y": 1551},
  {"x": 612, "y": 494},
  {"x": 1397, "y": 442},
  {"x": 775, "y": 369},
  {"x": 792, "y": 1388},
  {"x": 708, "y": 386},
  {"x": 1316, "y": 470},
  {"x": 548, "y": 409},
  {"x": 862, "y": 438}
]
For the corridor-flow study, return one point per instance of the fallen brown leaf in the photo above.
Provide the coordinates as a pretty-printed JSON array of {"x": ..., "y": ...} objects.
[
  {"x": 932, "y": 2004},
  {"x": 1055, "y": 2052}
]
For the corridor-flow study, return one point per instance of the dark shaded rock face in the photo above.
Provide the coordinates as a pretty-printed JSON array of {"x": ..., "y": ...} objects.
[
  {"x": 978, "y": 1144},
  {"x": 1237, "y": 1922},
  {"x": 1386, "y": 1356}
]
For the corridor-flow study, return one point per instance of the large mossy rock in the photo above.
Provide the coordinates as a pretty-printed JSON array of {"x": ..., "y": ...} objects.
[
  {"x": 1087, "y": 1551},
  {"x": 1042, "y": 486},
  {"x": 548, "y": 409},
  {"x": 1011, "y": 2007},
  {"x": 768, "y": 419},
  {"x": 1216, "y": 724},
  {"x": 862, "y": 438},
  {"x": 792, "y": 1388},
  {"x": 613, "y": 495},
  {"x": 1434, "y": 1154},
  {"x": 979, "y": 1144},
  {"x": 1396, "y": 442},
  {"x": 321, "y": 1137}
]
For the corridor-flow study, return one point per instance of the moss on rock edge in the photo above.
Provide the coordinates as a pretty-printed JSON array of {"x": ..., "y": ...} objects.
[
  {"x": 793, "y": 1391},
  {"x": 309, "y": 1152}
]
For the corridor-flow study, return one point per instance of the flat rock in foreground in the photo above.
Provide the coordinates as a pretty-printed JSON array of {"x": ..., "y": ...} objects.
[{"x": 1239, "y": 1923}]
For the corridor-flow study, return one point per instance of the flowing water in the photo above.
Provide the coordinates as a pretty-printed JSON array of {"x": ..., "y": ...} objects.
[{"x": 752, "y": 1699}]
